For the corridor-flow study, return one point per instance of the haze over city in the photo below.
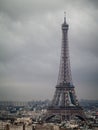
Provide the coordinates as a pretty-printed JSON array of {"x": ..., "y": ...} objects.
[{"x": 30, "y": 45}]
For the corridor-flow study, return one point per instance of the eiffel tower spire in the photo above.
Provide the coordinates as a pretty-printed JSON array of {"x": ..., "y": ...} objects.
[{"x": 65, "y": 17}]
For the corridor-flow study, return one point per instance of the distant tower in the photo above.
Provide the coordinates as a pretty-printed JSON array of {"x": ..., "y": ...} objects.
[{"x": 65, "y": 102}]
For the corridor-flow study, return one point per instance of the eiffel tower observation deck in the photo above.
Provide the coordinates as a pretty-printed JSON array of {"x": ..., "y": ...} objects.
[{"x": 65, "y": 102}]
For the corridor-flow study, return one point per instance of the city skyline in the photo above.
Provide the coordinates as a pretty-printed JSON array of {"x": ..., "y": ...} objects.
[{"x": 30, "y": 44}]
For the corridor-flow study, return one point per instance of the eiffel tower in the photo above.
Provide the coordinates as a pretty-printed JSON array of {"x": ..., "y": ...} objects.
[{"x": 65, "y": 102}]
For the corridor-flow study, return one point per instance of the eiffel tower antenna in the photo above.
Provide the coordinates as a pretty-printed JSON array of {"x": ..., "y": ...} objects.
[{"x": 64, "y": 17}]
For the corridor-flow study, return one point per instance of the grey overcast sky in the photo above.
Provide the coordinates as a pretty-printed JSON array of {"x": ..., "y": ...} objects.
[{"x": 30, "y": 44}]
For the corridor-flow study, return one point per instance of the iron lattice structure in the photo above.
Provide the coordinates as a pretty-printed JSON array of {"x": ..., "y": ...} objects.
[{"x": 65, "y": 102}]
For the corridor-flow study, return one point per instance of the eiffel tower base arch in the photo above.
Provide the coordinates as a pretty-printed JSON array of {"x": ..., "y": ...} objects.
[{"x": 66, "y": 113}]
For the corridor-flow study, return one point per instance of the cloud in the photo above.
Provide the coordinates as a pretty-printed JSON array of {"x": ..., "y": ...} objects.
[{"x": 30, "y": 43}]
